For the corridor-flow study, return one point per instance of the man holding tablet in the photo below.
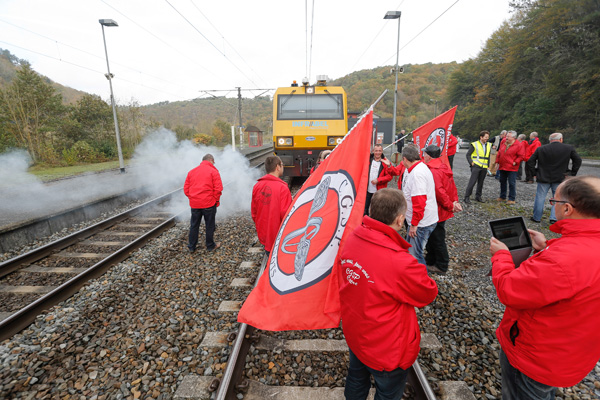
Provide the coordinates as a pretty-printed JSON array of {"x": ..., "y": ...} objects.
[{"x": 549, "y": 331}]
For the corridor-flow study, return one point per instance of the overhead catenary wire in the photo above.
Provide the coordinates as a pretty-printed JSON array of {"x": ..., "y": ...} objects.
[
  {"x": 87, "y": 68},
  {"x": 226, "y": 41},
  {"x": 211, "y": 43},
  {"x": 170, "y": 46},
  {"x": 85, "y": 52},
  {"x": 422, "y": 30}
]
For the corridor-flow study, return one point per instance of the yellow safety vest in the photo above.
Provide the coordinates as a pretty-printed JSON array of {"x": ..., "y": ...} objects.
[{"x": 481, "y": 155}]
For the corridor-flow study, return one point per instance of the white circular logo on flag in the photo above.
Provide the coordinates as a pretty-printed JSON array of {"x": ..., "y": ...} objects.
[{"x": 308, "y": 239}]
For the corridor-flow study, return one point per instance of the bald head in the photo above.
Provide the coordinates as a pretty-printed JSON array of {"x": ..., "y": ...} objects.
[{"x": 583, "y": 194}]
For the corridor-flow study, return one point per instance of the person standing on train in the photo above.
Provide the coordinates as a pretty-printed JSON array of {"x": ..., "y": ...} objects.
[
  {"x": 271, "y": 199},
  {"x": 380, "y": 286},
  {"x": 549, "y": 332},
  {"x": 203, "y": 187},
  {"x": 378, "y": 177}
]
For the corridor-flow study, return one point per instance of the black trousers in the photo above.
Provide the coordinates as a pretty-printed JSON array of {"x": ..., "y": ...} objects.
[
  {"x": 529, "y": 173},
  {"x": 209, "y": 215},
  {"x": 368, "y": 202},
  {"x": 437, "y": 251},
  {"x": 451, "y": 161},
  {"x": 477, "y": 176}
]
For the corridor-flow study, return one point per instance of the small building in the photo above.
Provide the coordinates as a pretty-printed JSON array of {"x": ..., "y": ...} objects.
[{"x": 255, "y": 136}]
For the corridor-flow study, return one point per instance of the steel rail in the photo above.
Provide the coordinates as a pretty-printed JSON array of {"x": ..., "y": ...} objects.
[
  {"x": 24, "y": 317},
  {"x": 36, "y": 254}
]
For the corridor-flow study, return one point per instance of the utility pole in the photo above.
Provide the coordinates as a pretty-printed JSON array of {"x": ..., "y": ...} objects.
[{"x": 239, "y": 90}]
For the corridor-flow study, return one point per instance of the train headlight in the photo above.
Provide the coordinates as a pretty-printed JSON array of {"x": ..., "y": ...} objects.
[
  {"x": 285, "y": 141},
  {"x": 334, "y": 140}
]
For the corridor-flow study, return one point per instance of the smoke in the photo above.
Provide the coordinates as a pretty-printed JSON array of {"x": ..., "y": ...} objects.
[
  {"x": 162, "y": 164},
  {"x": 159, "y": 165}
]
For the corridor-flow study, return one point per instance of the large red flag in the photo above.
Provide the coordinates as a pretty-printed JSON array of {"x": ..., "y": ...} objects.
[
  {"x": 437, "y": 131},
  {"x": 299, "y": 287}
]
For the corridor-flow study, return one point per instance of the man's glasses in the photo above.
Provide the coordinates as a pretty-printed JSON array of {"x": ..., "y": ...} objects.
[{"x": 554, "y": 201}]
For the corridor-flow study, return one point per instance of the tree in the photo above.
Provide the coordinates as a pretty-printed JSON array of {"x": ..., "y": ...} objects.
[{"x": 31, "y": 109}]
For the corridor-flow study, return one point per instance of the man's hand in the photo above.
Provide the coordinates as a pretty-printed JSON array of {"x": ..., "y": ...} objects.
[
  {"x": 412, "y": 232},
  {"x": 538, "y": 240},
  {"x": 374, "y": 181},
  {"x": 496, "y": 245},
  {"x": 386, "y": 161},
  {"x": 457, "y": 207}
]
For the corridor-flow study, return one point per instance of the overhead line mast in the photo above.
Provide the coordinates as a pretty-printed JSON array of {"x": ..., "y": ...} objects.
[{"x": 239, "y": 90}]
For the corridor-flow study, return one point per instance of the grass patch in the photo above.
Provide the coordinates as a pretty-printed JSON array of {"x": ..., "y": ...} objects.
[{"x": 46, "y": 173}]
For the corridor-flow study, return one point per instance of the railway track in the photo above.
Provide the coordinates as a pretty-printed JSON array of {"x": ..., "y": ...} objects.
[{"x": 54, "y": 272}]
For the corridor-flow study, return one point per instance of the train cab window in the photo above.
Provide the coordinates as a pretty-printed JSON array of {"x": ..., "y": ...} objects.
[{"x": 299, "y": 106}]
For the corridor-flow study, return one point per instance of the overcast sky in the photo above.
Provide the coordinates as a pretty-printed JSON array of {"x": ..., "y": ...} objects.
[{"x": 173, "y": 49}]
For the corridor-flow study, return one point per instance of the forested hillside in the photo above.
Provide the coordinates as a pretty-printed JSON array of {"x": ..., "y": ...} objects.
[{"x": 538, "y": 72}]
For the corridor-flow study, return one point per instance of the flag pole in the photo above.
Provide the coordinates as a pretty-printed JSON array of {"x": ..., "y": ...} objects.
[{"x": 393, "y": 143}]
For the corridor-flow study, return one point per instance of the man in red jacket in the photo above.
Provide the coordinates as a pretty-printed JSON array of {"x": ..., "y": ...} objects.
[
  {"x": 452, "y": 145},
  {"x": 437, "y": 257},
  {"x": 508, "y": 159},
  {"x": 549, "y": 331},
  {"x": 203, "y": 188},
  {"x": 534, "y": 143},
  {"x": 380, "y": 286},
  {"x": 271, "y": 198},
  {"x": 378, "y": 177}
]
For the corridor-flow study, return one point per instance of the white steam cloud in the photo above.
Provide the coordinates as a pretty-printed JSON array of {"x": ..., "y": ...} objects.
[{"x": 159, "y": 165}]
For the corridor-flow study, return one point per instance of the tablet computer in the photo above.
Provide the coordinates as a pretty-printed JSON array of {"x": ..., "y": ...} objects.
[{"x": 513, "y": 233}]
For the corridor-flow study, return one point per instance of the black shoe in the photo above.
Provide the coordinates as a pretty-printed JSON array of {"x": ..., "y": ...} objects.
[
  {"x": 552, "y": 221},
  {"x": 479, "y": 199},
  {"x": 531, "y": 219},
  {"x": 467, "y": 200},
  {"x": 190, "y": 250}
]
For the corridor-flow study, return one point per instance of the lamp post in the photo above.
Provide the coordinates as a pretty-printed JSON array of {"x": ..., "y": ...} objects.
[
  {"x": 435, "y": 108},
  {"x": 103, "y": 23},
  {"x": 395, "y": 15}
]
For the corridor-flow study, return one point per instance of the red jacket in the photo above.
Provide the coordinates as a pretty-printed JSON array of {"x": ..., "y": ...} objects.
[
  {"x": 532, "y": 148},
  {"x": 383, "y": 178},
  {"x": 445, "y": 189},
  {"x": 397, "y": 170},
  {"x": 505, "y": 158},
  {"x": 452, "y": 143},
  {"x": 380, "y": 285},
  {"x": 203, "y": 186},
  {"x": 553, "y": 299},
  {"x": 524, "y": 146},
  {"x": 271, "y": 198}
]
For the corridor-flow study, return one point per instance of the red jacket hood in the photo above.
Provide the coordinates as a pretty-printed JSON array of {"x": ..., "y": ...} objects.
[{"x": 370, "y": 226}]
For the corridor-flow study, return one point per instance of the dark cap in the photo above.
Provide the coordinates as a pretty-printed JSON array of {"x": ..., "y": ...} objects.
[{"x": 433, "y": 151}]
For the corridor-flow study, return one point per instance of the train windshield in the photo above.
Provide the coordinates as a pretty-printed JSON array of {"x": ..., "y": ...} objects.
[{"x": 316, "y": 106}]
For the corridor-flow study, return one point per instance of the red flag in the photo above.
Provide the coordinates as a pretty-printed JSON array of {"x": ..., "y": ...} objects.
[
  {"x": 299, "y": 287},
  {"x": 437, "y": 131}
]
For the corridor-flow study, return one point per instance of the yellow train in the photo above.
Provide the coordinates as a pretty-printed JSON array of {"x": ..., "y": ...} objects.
[{"x": 306, "y": 120}]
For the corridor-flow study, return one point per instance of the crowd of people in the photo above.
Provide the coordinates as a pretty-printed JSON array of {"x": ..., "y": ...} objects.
[{"x": 542, "y": 346}]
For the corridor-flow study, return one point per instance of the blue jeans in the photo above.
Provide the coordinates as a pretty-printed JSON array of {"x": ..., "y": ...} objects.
[
  {"x": 518, "y": 386},
  {"x": 389, "y": 385},
  {"x": 419, "y": 242},
  {"x": 540, "y": 199},
  {"x": 511, "y": 177}
]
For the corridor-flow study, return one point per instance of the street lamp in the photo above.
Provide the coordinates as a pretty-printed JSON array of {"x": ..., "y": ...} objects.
[
  {"x": 435, "y": 108},
  {"x": 103, "y": 23},
  {"x": 395, "y": 15}
]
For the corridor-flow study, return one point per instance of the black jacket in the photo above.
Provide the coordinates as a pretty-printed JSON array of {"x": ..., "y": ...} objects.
[{"x": 553, "y": 162}]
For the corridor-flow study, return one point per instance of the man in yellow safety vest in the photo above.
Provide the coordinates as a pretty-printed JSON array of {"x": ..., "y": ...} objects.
[{"x": 478, "y": 158}]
